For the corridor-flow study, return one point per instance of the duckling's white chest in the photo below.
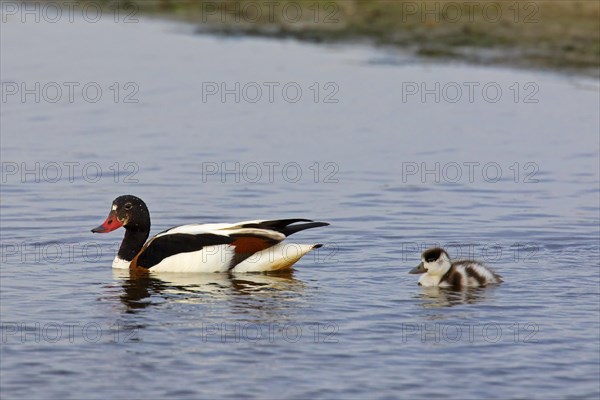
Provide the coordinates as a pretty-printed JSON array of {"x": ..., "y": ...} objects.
[{"x": 429, "y": 280}]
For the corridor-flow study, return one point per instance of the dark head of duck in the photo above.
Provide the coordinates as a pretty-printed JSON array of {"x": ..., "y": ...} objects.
[{"x": 131, "y": 213}]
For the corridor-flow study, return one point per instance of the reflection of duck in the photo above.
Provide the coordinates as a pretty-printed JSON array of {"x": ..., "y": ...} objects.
[
  {"x": 438, "y": 270},
  {"x": 250, "y": 246},
  {"x": 194, "y": 288}
]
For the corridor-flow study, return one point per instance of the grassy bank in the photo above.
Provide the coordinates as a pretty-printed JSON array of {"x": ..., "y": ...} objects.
[{"x": 545, "y": 33}]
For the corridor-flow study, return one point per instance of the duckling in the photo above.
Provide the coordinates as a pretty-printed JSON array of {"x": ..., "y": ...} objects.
[{"x": 438, "y": 270}]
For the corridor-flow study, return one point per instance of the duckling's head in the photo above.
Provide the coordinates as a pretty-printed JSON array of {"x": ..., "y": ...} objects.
[{"x": 434, "y": 262}]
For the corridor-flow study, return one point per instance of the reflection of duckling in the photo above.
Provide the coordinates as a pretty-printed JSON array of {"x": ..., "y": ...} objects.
[
  {"x": 436, "y": 297},
  {"x": 438, "y": 270}
]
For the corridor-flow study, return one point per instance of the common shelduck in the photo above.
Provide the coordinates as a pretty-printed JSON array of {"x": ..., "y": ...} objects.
[
  {"x": 250, "y": 246},
  {"x": 438, "y": 270}
]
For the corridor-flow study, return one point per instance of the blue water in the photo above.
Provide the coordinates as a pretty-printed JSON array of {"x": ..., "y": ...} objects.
[{"x": 513, "y": 184}]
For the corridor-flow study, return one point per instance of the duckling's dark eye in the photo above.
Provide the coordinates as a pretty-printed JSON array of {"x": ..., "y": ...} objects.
[
  {"x": 128, "y": 206},
  {"x": 430, "y": 260}
]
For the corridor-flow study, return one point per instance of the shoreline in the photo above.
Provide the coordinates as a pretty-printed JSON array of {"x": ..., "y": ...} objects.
[
  {"x": 553, "y": 35},
  {"x": 497, "y": 57}
]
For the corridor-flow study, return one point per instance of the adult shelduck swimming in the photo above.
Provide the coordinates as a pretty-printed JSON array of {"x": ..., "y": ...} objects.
[
  {"x": 438, "y": 270},
  {"x": 250, "y": 246}
]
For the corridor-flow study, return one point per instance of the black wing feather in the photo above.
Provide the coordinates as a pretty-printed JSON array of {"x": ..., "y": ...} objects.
[{"x": 285, "y": 225}]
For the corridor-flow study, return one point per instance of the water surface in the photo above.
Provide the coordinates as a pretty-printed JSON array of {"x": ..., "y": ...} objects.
[{"x": 349, "y": 322}]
